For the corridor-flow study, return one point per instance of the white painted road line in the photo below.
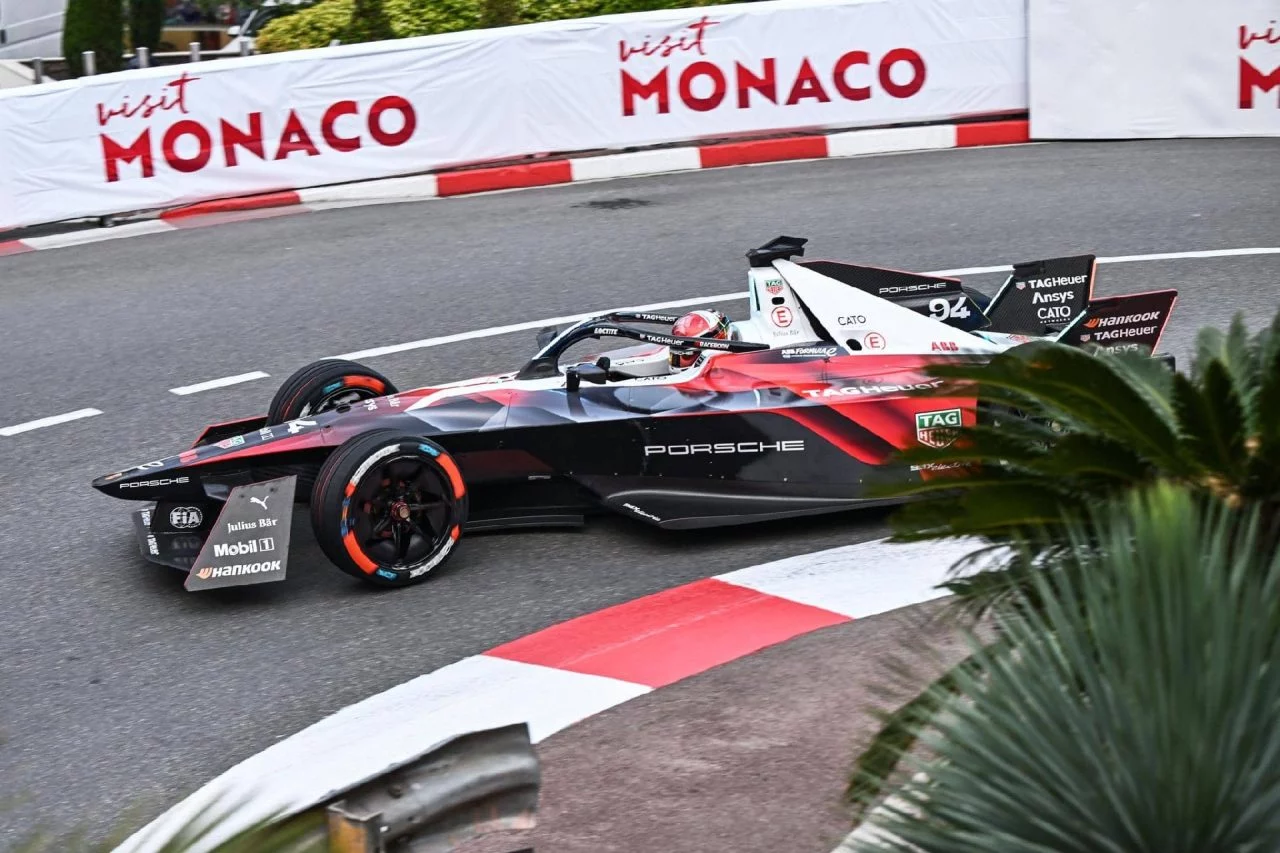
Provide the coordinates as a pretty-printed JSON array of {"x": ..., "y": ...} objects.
[
  {"x": 1181, "y": 256},
  {"x": 218, "y": 383},
  {"x": 48, "y": 422}
]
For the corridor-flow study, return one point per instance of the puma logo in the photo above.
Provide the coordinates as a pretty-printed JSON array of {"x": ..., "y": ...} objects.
[{"x": 262, "y": 502}]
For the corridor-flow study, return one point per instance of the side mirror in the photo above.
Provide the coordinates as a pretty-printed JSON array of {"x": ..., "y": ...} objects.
[{"x": 592, "y": 373}]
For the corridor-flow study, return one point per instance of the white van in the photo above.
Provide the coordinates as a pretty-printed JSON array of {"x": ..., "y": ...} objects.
[{"x": 31, "y": 28}]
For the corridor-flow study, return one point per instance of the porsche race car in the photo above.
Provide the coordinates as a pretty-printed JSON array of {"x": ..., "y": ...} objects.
[{"x": 795, "y": 413}]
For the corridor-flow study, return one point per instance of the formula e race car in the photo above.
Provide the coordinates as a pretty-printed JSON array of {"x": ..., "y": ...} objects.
[{"x": 793, "y": 412}]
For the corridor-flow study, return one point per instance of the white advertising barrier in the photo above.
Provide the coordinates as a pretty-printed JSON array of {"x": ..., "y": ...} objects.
[
  {"x": 1101, "y": 69},
  {"x": 164, "y": 136}
]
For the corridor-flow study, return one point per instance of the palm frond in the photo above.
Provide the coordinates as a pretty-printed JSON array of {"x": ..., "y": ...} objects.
[
  {"x": 1124, "y": 420},
  {"x": 1263, "y": 472},
  {"x": 1229, "y": 348},
  {"x": 1151, "y": 379},
  {"x": 898, "y": 733},
  {"x": 1128, "y": 718},
  {"x": 1213, "y": 426},
  {"x": 1081, "y": 390},
  {"x": 990, "y": 506}
]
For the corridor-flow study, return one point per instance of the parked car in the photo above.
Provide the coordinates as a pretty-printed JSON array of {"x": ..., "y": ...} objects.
[{"x": 269, "y": 11}]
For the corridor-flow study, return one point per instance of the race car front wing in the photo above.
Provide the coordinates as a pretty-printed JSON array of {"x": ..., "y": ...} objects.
[{"x": 242, "y": 541}]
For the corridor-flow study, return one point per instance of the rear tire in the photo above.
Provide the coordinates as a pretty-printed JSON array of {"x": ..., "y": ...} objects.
[
  {"x": 388, "y": 507},
  {"x": 325, "y": 385}
]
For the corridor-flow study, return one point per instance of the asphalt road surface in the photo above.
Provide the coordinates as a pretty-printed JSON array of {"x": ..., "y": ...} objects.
[{"x": 122, "y": 693}]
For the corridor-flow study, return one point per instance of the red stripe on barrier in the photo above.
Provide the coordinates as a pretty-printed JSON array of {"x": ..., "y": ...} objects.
[
  {"x": 504, "y": 178},
  {"x": 763, "y": 151},
  {"x": 203, "y": 220},
  {"x": 14, "y": 247},
  {"x": 993, "y": 133},
  {"x": 663, "y": 638},
  {"x": 228, "y": 205}
]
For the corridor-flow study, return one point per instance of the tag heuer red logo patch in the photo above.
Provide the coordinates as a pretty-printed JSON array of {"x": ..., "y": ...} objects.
[
  {"x": 774, "y": 286},
  {"x": 937, "y": 429}
]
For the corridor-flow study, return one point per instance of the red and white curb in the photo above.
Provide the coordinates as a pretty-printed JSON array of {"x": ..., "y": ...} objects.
[
  {"x": 543, "y": 173},
  {"x": 561, "y": 675}
]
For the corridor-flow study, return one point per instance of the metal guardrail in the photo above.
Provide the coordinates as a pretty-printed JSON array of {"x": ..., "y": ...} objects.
[
  {"x": 43, "y": 66},
  {"x": 476, "y": 785},
  {"x": 474, "y": 792}
]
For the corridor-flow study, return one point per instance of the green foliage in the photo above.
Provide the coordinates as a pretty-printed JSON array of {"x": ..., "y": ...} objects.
[
  {"x": 411, "y": 18},
  {"x": 305, "y": 833},
  {"x": 308, "y": 28},
  {"x": 369, "y": 22},
  {"x": 96, "y": 25},
  {"x": 146, "y": 22},
  {"x": 332, "y": 19},
  {"x": 618, "y": 7},
  {"x": 499, "y": 13},
  {"x": 559, "y": 10},
  {"x": 1101, "y": 424},
  {"x": 532, "y": 11},
  {"x": 1133, "y": 715},
  {"x": 1064, "y": 429}
]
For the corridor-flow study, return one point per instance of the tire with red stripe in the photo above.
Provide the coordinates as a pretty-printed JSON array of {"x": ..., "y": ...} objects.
[
  {"x": 388, "y": 507},
  {"x": 325, "y": 385}
]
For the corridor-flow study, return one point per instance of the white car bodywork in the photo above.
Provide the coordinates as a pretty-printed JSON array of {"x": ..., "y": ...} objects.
[{"x": 882, "y": 328}]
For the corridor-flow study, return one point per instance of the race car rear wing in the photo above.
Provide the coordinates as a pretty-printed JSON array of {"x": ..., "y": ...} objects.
[
  {"x": 1054, "y": 297},
  {"x": 1043, "y": 297},
  {"x": 1135, "y": 321}
]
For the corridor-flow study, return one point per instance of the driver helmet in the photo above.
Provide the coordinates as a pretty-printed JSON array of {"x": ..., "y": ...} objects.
[{"x": 705, "y": 323}]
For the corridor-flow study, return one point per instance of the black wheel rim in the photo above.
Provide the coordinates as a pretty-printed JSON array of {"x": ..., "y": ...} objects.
[
  {"x": 344, "y": 396},
  {"x": 401, "y": 511}
]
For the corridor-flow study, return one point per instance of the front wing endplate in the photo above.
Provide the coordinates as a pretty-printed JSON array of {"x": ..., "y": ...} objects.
[{"x": 240, "y": 542}]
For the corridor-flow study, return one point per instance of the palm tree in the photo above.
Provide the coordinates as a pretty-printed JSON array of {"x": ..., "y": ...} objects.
[
  {"x": 1137, "y": 713},
  {"x": 1060, "y": 430}
]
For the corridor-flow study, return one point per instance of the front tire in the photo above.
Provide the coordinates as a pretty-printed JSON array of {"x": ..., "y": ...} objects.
[
  {"x": 388, "y": 507},
  {"x": 325, "y": 385}
]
